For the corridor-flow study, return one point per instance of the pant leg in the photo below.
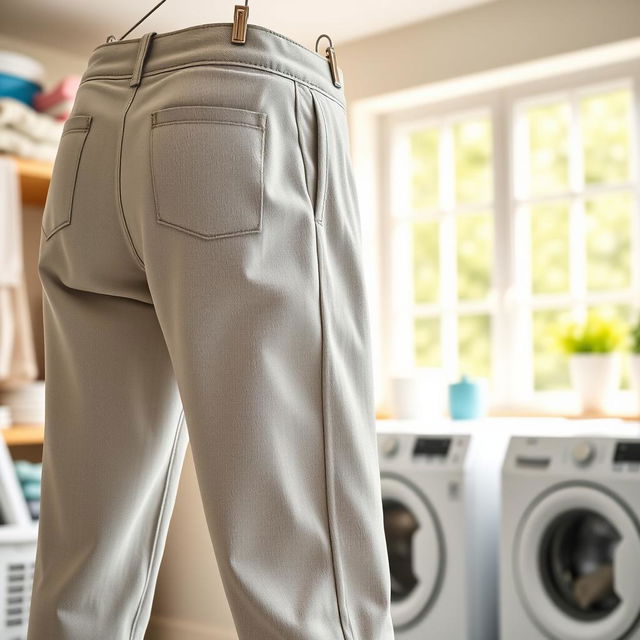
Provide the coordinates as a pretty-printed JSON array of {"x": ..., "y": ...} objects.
[
  {"x": 269, "y": 339},
  {"x": 114, "y": 435}
]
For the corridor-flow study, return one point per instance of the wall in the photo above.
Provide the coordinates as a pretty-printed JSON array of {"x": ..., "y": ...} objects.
[
  {"x": 56, "y": 63},
  {"x": 493, "y": 35}
]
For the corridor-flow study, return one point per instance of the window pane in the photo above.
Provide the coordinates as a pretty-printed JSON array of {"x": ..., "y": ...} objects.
[
  {"x": 472, "y": 140},
  {"x": 475, "y": 250},
  {"x": 609, "y": 241},
  {"x": 548, "y": 128},
  {"x": 551, "y": 369},
  {"x": 606, "y": 135},
  {"x": 550, "y": 248},
  {"x": 424, "y": 169},
  {"x": 427, "y": 342},
  {"x": 474, "y": 344},
  {"x": 628, "y": 315},
  {"x": 426, "y": 261}
]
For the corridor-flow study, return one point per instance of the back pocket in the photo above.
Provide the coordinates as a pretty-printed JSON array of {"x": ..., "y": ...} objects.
[
  {"x": 59, "y": 203},
  {"x": 207, "y": 168}
]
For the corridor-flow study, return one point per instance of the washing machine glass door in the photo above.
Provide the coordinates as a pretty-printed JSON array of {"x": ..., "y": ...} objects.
[
  {"x": 415, "y": 546},
  {"x": 577, "y": 562}
]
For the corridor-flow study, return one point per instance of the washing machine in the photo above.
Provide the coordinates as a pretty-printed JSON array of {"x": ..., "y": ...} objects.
[
  {"x": 570, "y": 539},
  {"x": 427, "y": 518}
]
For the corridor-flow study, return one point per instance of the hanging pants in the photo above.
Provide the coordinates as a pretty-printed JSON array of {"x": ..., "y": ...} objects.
[{"x": 202, "y": 280}]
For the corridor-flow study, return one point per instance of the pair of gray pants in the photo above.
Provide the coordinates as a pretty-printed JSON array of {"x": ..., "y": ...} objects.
[{"x": 201, "y": 267}]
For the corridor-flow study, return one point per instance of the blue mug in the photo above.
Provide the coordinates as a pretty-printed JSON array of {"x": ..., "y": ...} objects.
[{"x": 466, "y": 399}]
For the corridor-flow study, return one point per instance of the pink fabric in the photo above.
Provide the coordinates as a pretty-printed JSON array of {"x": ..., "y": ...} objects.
[{"x": 64, "y": 91}]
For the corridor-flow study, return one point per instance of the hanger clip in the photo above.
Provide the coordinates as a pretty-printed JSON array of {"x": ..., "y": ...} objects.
[
  {"x": 240, "y": 20},
  {"x": 330, "y": 54},
  {"x": 336, "y": 76}
]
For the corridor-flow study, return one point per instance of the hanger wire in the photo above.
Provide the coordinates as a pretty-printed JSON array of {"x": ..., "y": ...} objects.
[{"x": 144, "y": 17}]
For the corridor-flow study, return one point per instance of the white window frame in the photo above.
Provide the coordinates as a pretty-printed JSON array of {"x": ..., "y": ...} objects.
[
  {"x": 448, "y": 308},
  {"x": 510, "y": 303}
]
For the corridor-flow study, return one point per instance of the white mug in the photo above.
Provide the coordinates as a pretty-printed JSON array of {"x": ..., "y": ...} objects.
[{"x": 419, "y": 395}]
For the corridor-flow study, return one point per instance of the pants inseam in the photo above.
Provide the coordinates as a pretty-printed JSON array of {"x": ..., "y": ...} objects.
[{"x": 159, "y": 522}]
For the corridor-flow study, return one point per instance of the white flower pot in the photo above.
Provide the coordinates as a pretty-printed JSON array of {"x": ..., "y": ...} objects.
[
  {"x": 595, "y": 377},
  {"x": 634, "y": 363}
]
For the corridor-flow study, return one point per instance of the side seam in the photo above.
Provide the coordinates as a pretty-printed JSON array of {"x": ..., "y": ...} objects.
[{"x": 334, "y": 543}]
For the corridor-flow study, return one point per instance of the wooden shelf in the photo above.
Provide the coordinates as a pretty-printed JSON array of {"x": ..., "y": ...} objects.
[
  {"x": 22, "y": 434},
  {"x": 34, "y": 180}
]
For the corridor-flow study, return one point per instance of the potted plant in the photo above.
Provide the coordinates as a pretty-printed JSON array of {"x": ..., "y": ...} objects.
[{"x": 594, "y": 359}]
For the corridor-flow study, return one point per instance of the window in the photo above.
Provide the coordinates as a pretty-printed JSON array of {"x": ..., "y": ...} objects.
[
  {"x": 575, "y": 209},
  {"x": 443, "y": 237},
  {"x": 507, "y": 212}
]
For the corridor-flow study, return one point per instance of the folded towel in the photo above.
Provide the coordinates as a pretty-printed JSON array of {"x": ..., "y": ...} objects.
[
  {"x": 11, "y": 264},
  {"x": 60, "y": 110},
  {"x": 65, "y": 91},
  {"x": 17, "y": 143},
  {"x": 40, "y": 127},
  {"x": 17, "y": 350}
]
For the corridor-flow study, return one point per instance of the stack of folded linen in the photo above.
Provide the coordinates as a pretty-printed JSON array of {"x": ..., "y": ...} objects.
[
  {"x": 20, "y": 77},
  {"x": 30, "y": 477},
  {"x": 18, "y": 364},
  {"x": 5, "y": 417},
  {"x": 25, "y": 132},
  {"x": 59, "y": 101},
  {"x": 26, "y": 402}
]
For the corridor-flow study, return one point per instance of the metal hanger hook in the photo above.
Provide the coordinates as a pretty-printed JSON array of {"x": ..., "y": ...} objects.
[
  {"x": 112, "y": 38},
  {"x": 323, "y": 35}
]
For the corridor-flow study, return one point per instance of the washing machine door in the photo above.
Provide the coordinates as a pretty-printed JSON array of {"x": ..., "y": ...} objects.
[
  {"x": 577, "y": 562},
  {"x": 416, "y": 549}
]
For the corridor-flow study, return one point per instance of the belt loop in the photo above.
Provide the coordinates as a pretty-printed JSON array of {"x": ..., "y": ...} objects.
[{"x": 143, "y": 48}]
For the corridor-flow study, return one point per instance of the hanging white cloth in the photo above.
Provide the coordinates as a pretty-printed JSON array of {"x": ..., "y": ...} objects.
[{"x": 17, "y": 350}]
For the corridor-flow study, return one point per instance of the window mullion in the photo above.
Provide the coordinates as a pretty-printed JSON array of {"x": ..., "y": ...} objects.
[
  {"x": 503, "y": 277},
  {"x": 635, "y": 178},
  {"x": 448, "y": 253},
  {"x": 401, "y": 292},
  {"x": 578, "y": 221}
]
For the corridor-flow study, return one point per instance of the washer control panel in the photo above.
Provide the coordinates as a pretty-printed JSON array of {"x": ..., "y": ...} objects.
[
  {"x": 423, "y": 451},
  {"x": 583, "y": 452},
  {"x": 563, "y": 454}
]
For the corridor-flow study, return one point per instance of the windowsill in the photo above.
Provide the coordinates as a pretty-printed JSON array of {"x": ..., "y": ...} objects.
[
  {"x": 384, "y": 415},
  {"x": 551, "y": 405}
]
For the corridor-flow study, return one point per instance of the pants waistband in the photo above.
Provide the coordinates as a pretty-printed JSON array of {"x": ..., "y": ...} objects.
[{"x": 211, "y": 44}]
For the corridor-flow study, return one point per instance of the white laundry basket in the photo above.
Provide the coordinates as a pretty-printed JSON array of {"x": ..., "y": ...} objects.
[
  {"x": 18, "y": 536},
  {"x": 17, "y": 556}
]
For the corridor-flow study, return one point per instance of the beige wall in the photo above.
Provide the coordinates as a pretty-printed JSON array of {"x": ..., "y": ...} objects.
[
  {"x": 56, "y": 63},
  {"x": 493, "y": 35}
]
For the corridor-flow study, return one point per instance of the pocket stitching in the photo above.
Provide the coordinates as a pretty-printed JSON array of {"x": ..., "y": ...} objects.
[
  {"x": 67, "y": 221},
  {"x": 323, "y": 161},
  {"x": 174, "y": 225},
  {"x": 208, "y": 113}
]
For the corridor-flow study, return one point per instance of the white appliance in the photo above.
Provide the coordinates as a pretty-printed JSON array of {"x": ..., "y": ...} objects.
[
  {"x": 425, "y": 494},
  {"x": 486, "y": 450},
  {"x": 570, "y": 527}
]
